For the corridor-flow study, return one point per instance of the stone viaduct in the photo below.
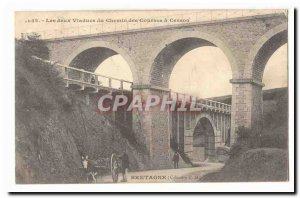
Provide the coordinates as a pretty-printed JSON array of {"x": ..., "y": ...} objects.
[{"x": 247, "y": 42}]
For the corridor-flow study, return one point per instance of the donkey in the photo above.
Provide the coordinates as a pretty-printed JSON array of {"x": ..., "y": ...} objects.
[{"x": 89, "y": 166}]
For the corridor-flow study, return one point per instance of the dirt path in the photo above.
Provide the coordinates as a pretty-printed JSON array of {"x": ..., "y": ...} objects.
[{"x": 168, "y": 175}]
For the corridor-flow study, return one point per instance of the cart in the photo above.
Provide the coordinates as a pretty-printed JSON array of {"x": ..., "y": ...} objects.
[{"x": 102, "y": 166}]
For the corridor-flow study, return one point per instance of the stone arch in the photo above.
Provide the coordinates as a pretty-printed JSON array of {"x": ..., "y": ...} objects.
[
  {"x": 263, "y": 50},
  {"x": 206, "y": 115},
  {"x": 174, "y": 47},
  {"x": 204, "y": 132},
  {"x": 100, "y": 50}
]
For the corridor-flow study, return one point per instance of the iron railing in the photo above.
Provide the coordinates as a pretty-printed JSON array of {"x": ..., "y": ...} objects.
[
  {"x": 203, "y": 103},
  {"x": 89, "y": 79},
  {"x": 86, "y": 78}
]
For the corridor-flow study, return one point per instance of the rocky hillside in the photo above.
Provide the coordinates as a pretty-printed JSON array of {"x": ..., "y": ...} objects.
[
  {"x": 275, "y": 112},
  {"x": 254, "y": 165},
  {"x": 264, "y": 158},
  {"x": 54, "y": 126}
]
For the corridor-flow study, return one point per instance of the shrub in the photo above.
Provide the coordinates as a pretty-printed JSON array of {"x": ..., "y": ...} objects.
[
  {"x": 34, "y": 46},
  {"x": 246, "y": 139}
]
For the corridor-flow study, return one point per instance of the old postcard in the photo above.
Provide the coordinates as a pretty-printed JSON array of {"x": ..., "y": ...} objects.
[{"x": 151, "y": 96}]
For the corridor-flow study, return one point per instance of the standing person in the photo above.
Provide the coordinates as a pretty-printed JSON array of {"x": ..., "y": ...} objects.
[
  {"x": 125, "y": 166},
  {"x": 227, "y": 141},
  {"x": 93, "y": 80},
  {"x": 176, "y": 159}
]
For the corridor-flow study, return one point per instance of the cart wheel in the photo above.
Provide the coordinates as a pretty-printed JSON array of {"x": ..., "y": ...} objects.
[{"x": 114, "y": 168}]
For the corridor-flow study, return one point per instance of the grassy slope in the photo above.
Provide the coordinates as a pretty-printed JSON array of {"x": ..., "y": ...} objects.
[
  {"x": 269, "y": 162},
  {"x": 260, "y": 164},
  {"x": 54, "y": 128}
]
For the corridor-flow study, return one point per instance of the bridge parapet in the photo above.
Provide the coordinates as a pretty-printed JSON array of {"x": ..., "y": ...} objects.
[
  {"x": 206, "y": 104},
  {"x": 89, "y": 81},
  {"x": 136, "y": 24},
  {"x": 85, "y": 80}
]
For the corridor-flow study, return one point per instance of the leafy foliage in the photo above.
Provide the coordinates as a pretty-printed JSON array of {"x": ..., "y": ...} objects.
[{"x": 34, "y": 46}]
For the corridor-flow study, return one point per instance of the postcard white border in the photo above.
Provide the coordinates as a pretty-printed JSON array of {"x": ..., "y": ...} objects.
[{"x": 7, "y": 98}]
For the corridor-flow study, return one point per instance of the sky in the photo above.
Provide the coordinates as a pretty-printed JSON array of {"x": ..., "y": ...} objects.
[
  {"x": 202, "y": 72},
  {"x": 276, "y": 70}
]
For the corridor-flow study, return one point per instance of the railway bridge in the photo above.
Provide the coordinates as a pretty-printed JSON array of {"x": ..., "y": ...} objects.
[{"x": 248, "y": 41}]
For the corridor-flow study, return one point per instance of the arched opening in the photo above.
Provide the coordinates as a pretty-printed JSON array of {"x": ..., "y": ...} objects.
[
  {"x": 107, "y": 62},
  {"x": 90, "y": 54},
  {"x": 116, "y": 67},
  {"x": 113, "y": 75},
  {"x": 255, "y": 66},
  {"x": 203, "y": 72},
  {"x": 203, "y": 140},
  {"x": 275, "y": 72},
  {"x": 275, "y": 100},
  {"x": 91, "y": 58},
  {"x": 195, "y": 67},
  {"x": 177, "y": 47},
  {"x": 266, "y": 50}
]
